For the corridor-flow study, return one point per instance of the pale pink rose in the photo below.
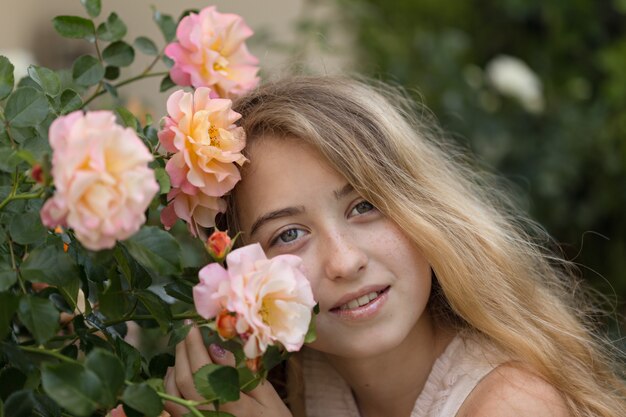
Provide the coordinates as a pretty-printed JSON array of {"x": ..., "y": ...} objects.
[
  {"x": 207, "y": 146},
  {"x": 210, "y": 294},
  {"x": 102, "y": 179},
  {"x": 272, "y": 299},
  {"x": 211, "y": 52}
]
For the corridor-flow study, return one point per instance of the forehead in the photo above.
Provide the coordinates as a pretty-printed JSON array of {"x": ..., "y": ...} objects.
[{"x": 282, "y": 173}]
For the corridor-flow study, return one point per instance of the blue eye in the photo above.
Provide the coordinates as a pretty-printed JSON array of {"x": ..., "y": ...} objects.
[
  {"x": 288, "y": 236},
  {"x": 362, "y": 207}
]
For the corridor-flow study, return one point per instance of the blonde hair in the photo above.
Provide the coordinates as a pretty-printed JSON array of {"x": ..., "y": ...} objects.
[{"x": 494, "y": 277}]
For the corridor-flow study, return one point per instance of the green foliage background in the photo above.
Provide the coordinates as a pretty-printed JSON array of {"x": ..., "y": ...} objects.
[{"x": 568, "y": 163}]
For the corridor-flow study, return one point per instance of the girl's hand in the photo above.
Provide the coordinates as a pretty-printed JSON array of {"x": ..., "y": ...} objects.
[{"x": 191, "y": 355}]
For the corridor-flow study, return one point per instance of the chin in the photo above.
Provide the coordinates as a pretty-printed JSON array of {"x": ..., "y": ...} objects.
[{"x": 369, "y": 345}]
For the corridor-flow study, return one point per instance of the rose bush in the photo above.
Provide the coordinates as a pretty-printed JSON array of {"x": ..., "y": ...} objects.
[{"x": 82, "y": 279}]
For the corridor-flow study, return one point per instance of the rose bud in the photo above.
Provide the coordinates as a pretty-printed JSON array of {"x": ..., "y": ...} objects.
[
  {"x": 37, "y": 173},
  {"x": 254, "y": 364},
  {"x": 226, "y": 325},
  {"x": 218, "y": 245}
]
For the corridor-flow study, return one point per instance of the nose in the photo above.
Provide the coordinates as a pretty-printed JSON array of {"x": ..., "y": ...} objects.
[{"x": 343, "y": 257}]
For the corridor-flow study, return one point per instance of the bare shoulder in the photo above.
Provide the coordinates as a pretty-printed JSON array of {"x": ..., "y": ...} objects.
[{"x": 511, "y": 390}]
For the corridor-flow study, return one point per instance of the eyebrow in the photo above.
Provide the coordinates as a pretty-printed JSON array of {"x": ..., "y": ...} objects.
[{"x": 292, "y": 211}]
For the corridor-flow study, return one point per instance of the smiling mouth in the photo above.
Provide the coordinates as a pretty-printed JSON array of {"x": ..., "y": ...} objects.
[{"x": 361, "y": 301}]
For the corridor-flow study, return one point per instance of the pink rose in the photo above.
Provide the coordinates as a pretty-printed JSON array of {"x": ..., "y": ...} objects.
[
  {"x": 210, "y": 295},
  {"x": 207, "y": 145},
  {"x": 211, "y": 52},
  {"x": 103, "y": 183}
]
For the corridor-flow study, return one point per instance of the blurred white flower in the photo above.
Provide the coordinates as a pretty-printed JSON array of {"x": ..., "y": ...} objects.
[{"x": 513, "y": 77}]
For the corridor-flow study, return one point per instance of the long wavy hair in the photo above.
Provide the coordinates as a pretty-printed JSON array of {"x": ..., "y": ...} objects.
[{"x": 493, "y": 273}]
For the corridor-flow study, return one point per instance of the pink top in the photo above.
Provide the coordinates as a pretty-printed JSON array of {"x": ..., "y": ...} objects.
[{"x": 462, "y": 365}]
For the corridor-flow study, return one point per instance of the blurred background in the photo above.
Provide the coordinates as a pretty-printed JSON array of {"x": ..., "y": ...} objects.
[{"x": 535, "y": 90}]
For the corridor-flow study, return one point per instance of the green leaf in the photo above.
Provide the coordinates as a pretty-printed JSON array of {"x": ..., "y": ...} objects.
[
  {"x": 8, "y": 277},
  {"x": 26, "y": 107},
  {"x": 8, "y": 306},
  {"x": 167, "y": 25},
  {"x": 156, "y": 250},
  {"x": 72, "y": 386},
  {"x": 248, "y": 380},
  {"x": 8, "y": 160},
  {"x": 87, "y": 70},
  {"x": 159, "y": 364},
  {"x": 27, "y": 403},
  {"x": 6, "y": 77},
  {"x": 50, "y": 264},
  {"x": 119, "y": 54},
  {"x": 163, "y": 179},
  {"x": 217, "y": 382},
  {"x": 11, "y": 379},
  {"x": 146, "y": 46},
  {"x": 74, "y": 27},
  {"x": 311, "y": 334},
  {"x": 143, "y": 398},
  {"x": 113, "y": 29},
  {"x": 27, "y": 228},
  {"x": 39, "y": 316},
  {"x": 93, "y": 7},
  {"x": 111, "y": 372},
  {"x": 70, "y": 101},
  {"x": 272, "y": 357},
  {"x": 158, "y": 308},
  {"x": 111, "y": 73},
  {"x": 130, "y": 357},
  {"x": 178, "y": 335},
  {"x": 166, "y": 84},
  {"x": 127, "y": 118},
  {"x": 181, "y": 290},
  {"x": 46, "y": 78}
]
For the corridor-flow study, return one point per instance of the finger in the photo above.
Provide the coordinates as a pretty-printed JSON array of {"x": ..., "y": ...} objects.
[
  {"x": 196, "y": 350},
  {"x": 183, "y": 375},
  {"x": 221, "y": 356},
  {"x": 170, "y": 387},
  {"x": 265, "y": 394}
]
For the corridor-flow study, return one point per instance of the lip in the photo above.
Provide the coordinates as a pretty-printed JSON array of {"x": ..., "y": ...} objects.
[
  {"x": 360, "y": 293},
  {"x": 367, "y": 311}
]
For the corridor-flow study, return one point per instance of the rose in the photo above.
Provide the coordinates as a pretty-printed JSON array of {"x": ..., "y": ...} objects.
[
  {"x": 271, "y": 298},
  {"x": 201, "y": 133},
  {"x": 218, "y": 244},
  {"x": 103, "y": 183},
  {"x": 211, "y": 52}
]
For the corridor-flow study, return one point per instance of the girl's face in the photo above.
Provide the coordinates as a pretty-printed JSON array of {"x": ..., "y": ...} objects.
[{"x": 371, "y": 283}]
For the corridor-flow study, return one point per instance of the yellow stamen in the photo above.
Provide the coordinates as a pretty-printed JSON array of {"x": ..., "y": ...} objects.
[{"x": 214, "y": 135}]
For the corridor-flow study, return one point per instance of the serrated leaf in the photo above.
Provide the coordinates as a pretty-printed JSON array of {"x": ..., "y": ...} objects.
[
  {"x": 8, "y": 277},
  {"x": 159, "y": 364},
  {"x": 109, "y": 370},
  {"x": 46, "y": 78},
  {"x": 178, "y": 335},
  {"x": 26, "y": 107},
  {"x": 70, "y": 101},
  {"x": 143, "y": 398},
  {"x": 130, "y": 357},
  {"x": 248, "y": 380},
  {"x": 39, "y": 316},
  {"x": 156, "y": 250},
  {"x": 72, "y": 386},
  {"x": 8, "y": 306},
  {"x": 7, "y": 79},
  {"x": 113, "y": 29},
  {"x": 119, "y": 54},
  {"x": 158, "y": 308},
  {"x": 166, "y": 24},
  {"x": 217, "y": 382},
  {"x": 87, "y": 70},
  {"x": 50, "y": 264},
  {"x": 74, "y": 27},
  {"x": 146, "y": 46},
  {"x": 166, "y": 84},
  {"x": 93, "y": 7},
  {"x": 27, "y": 228}
]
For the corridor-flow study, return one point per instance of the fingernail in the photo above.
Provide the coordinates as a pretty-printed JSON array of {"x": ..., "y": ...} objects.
[{"x": 217, "y": 350}]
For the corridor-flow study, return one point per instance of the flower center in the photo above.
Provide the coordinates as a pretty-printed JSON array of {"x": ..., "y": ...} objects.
[
  {"x": 214, "y": 135},
  {"x": 264, "y": 312}
]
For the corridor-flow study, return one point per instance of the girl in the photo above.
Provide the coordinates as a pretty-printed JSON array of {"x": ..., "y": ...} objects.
[{"x": 436, "y": 298}]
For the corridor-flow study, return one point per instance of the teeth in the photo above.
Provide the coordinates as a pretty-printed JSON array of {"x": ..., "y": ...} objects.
[{"x": 358, "y": 302}]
